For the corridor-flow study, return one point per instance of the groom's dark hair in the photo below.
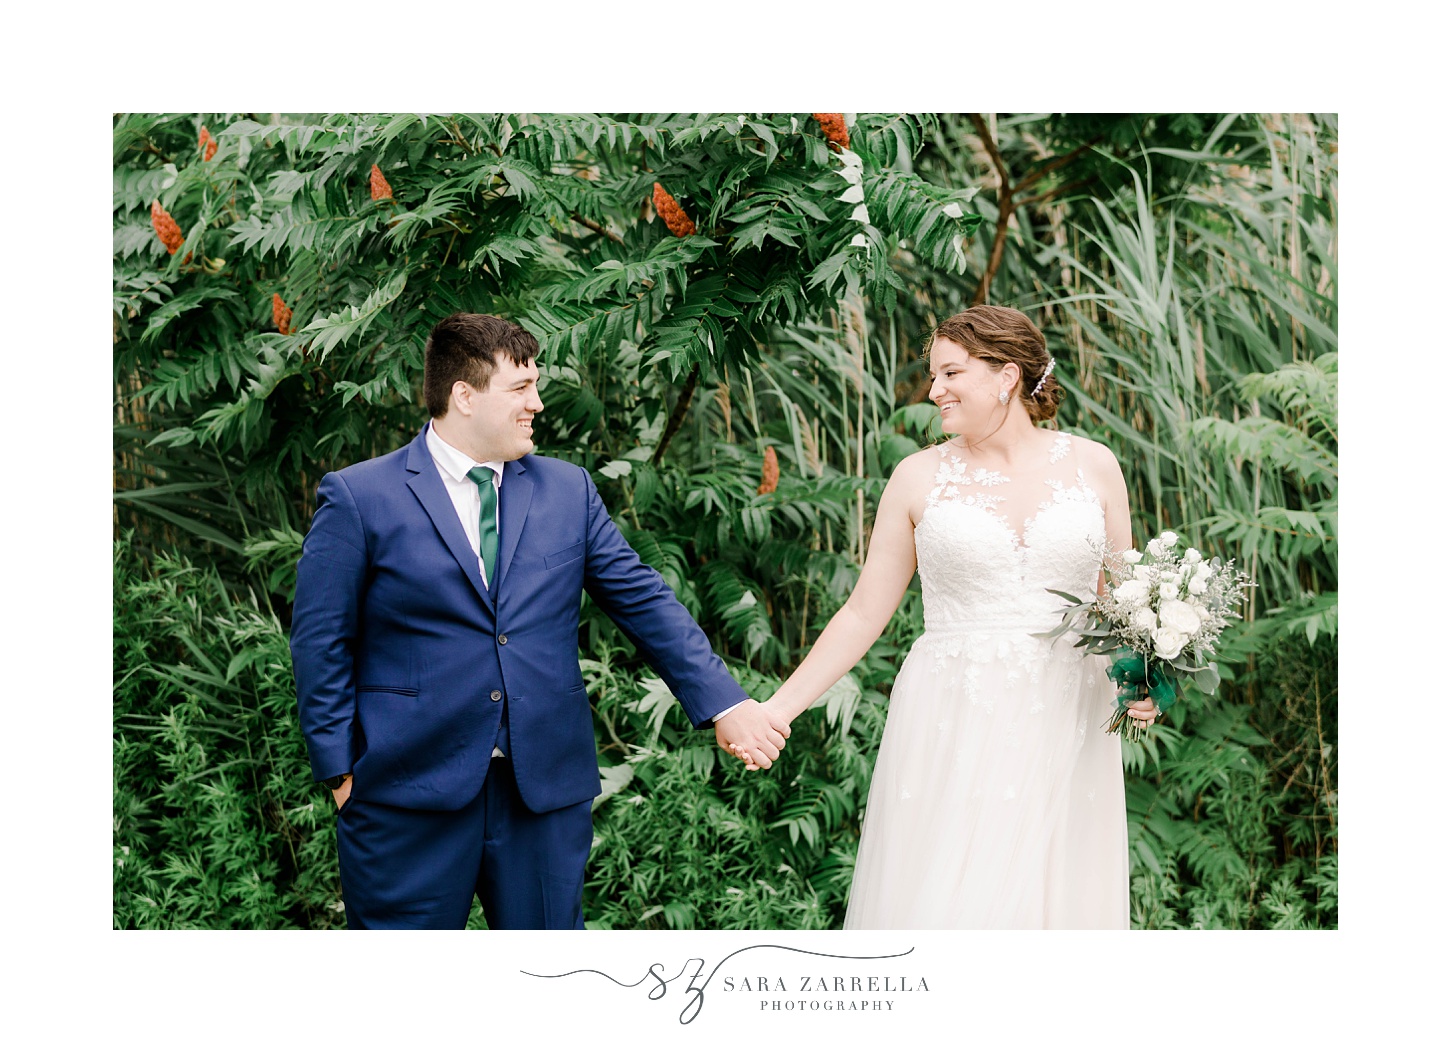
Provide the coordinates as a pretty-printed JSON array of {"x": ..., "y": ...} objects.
[{"x": 466, "y": 346}]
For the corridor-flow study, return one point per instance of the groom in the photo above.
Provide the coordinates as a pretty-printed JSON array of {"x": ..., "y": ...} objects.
[{"x": 435, "y": 644}]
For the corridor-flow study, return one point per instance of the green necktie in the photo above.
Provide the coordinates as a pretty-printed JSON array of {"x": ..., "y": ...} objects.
[{"x": 488, "y": 519}]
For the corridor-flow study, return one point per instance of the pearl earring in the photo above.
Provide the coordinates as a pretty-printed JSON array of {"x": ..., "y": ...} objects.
[{"x": 1003, "y": 397}]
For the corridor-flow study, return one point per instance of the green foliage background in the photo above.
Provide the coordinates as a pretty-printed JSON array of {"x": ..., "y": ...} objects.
[{"x": 1182, "y": 266}]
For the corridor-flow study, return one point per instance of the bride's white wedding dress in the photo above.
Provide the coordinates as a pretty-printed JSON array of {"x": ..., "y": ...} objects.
[{"x": 997, "y": 798}]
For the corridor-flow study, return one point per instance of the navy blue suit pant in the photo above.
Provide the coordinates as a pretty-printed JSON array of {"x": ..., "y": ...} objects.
[{"x": 409, "y": 869}]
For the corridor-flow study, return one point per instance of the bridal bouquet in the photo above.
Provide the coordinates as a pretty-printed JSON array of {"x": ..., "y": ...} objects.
[{"x": 1158, "y": 620}]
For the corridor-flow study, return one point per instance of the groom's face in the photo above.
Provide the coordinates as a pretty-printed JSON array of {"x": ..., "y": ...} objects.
[{"x": 501, "y": 420}]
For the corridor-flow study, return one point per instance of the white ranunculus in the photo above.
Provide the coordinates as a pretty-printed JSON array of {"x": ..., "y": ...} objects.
[
  {"x": 1169, "y": 642},
  {"x": 1181, "y": 617},
  {"x": 1168, "y": 592},
  {"x": 1192, "y": 557},
  {"x": 1146, "y": 620},
  {"x": 1132, "y": 557},
  {"x": 1197, "y": 586},
  {"x": 1168, "y": 538},
  {"x": 1134, "y": 592}
]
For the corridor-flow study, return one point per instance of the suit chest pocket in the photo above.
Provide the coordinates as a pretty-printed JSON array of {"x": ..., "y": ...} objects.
[{"x": 565, "y": 556}]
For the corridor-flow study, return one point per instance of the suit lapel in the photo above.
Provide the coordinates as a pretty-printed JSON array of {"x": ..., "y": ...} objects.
[
  {"x": 428, "y": 487},
  {"x": 515, "y": 492}
]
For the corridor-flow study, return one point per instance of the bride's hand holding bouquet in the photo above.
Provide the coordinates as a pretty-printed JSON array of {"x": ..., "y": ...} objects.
[{"x": 1158, "y": 619}]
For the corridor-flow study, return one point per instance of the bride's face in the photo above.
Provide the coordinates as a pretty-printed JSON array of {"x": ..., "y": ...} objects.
[{"x": 964, "y": 389}]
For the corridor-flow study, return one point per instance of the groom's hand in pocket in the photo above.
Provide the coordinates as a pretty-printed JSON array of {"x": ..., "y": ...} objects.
[{"x": 755, "y": 730}]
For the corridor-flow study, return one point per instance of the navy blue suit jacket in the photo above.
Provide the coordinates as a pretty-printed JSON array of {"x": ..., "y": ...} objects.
[{"x": 397, "y": 646}]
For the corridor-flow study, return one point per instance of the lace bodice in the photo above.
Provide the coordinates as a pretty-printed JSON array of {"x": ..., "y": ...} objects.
[{"x": 989, "y": 547}]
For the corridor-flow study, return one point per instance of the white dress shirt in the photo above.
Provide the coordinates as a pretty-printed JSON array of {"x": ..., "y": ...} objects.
[{"x": 453, "y": 467}]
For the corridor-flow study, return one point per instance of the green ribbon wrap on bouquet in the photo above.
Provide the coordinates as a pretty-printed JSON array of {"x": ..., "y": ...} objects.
[{"x": 1130, "y": 673}]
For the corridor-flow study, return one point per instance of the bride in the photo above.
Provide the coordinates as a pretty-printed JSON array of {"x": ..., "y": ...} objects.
[{"x": 997, "y": 799}]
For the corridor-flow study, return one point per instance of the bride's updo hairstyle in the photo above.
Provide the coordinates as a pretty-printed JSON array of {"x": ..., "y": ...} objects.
[{"x": 1002, "y": 335}]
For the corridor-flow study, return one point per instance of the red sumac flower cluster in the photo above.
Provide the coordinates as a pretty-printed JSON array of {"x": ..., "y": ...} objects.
[
  {"x": 833, "y": 125},
  {"x": 378, "y": 184},
  {"x": 167, "y": 230},
  {"x": 281, "y": 314},
  {"x": 770, "y": 473},
  {"x": 675, "y": 218}
]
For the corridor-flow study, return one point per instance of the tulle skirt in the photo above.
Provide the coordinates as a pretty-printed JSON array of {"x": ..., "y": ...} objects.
[{"x": 997, "y": 799}]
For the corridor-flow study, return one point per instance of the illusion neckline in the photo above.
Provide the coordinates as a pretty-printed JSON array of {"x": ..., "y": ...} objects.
[{"x": 1021, "y": 537}]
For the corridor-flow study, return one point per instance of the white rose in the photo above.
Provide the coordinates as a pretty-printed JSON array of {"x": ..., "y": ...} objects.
[
  {"x": 1145, "y": 620},
  {"x": 1203, "y": 571},
  {"x": 1175, "y": 615},
  {"x": 1155, "y": 548},
  {"x": 1168, "y": 592},
  {"x": 1201, "y": 612},
  {"x": 1169, "y": 642},
  {"x": 1197, "y": 586},
  {"x": 1168, "y": 538},
  {"x": 1192, "y": 557},
  {"x": 1134, "y": 592},
  {"x": 1132, "y": 557}
]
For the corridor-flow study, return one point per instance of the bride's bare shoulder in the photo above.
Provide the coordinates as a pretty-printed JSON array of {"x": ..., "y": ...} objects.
[
  {"x": 1098, "y": 461},
  {"x": 918, "y": 467},
  {"x": 912, "y": 479}
]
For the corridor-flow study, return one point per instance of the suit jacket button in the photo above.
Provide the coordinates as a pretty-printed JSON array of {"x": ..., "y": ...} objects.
[
  {"x": 496, "y": 695},
  {"x": 503, "y": 639}
]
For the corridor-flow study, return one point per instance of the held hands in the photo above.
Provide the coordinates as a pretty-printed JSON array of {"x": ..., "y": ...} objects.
[
  {"x": 752, "y": 758},
  {"x": 740, "y": 754},
  {"x": 754, "y": 732}
]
